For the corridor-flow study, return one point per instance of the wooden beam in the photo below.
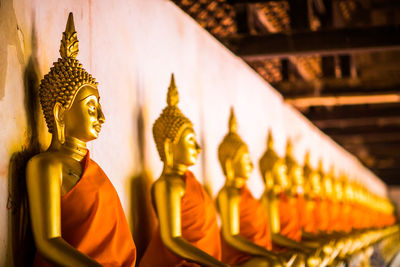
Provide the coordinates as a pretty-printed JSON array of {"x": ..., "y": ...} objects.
[
  {"x": 233, "y": 2},
  {"x": 298, "y": 12},
  {"x": 369, "y": 156},
  {"x": 352, "y": 112},
  {"x": 324, "y": 42},
  {"x": 367, "y": 138},
  {"x": 333, "y": 86},
  {"x": 377, "y": 149},
  {"x": 352, "y": 122},
  {"x": 362, "y": 130},
  {"x": 306, "y": 102}
]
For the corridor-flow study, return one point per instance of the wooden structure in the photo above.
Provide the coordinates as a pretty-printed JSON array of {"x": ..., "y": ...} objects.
[{"x": 337, "y": 61}]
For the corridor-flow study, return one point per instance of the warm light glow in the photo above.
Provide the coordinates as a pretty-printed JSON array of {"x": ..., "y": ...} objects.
[{"x": 305, "y": 102}]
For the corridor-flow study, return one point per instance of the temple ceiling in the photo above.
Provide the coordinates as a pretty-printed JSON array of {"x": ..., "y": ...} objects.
[{"x": 336, "y": 61}]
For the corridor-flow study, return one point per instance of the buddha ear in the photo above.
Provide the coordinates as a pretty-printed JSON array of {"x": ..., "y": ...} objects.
[
  {"x": 230, "y": 173},
  {"x": 168, "y": 155},
  {"x": 59, "y": 112}
]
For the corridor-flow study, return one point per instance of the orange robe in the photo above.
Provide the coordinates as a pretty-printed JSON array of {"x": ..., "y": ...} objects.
[
  {"x": 335, "y": 218},
  {"x": 356, "y": 216},
  {"x": 305, "y": 214},
  {"x": 331, "y": 215},
  {"x": 93, "y": 221},
  {"x": 321, "y": 214},
  {"x": 289, "y": 218},
  {"x": 346, "y": 224},
  {"x": 199, "y": 227},
  {"x": 254, "y": 226}
]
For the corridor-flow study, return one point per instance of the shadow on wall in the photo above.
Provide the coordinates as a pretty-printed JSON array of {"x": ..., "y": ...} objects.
[
  {"x": 22, "y": 244},
  {"x": 143, "y": 216},
  {"x": 9, "y": 36}
]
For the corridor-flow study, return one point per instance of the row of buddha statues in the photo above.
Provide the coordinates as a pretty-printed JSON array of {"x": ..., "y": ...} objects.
[{"x": 305, "y": 217}]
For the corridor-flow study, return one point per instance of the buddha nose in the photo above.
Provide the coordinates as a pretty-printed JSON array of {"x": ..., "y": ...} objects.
[
  {"x": 100, "y": 115},
  {"x": 198, "y": 148}
]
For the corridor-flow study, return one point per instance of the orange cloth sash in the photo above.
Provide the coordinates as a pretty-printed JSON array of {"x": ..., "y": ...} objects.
[
  {"x": 199, "y": 227},
  {"x": 321, "y": 214},
  {"x": 254, "y": 226},
  {"x": 306, "y": 214},
  {"x": 335, "y": 218},
  {"x": 346, "y": 224},
  {"x": 289, "y": 218},
  {"x": 93, "y": 221}
]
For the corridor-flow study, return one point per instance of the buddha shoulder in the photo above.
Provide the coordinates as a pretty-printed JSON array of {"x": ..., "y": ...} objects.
[
  {"x": 170, "y": 183},
  {"x": 45, "y": 162},
  {"x": 229, "y": 193}
]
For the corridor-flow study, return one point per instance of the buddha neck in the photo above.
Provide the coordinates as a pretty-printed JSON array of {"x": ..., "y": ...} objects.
[
  {"x": 74, "y": 148},
  {"x": 177, "y": 169},
  {"x": 237, "y": 182}
]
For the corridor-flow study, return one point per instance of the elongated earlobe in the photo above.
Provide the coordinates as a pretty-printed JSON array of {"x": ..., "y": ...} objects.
[
  {"x": 169, "y": 157},
  {"x": 230, "y": 173},
  {"x": 60, "y": 124}
]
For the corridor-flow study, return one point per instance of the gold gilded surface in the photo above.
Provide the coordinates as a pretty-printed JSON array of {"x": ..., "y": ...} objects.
[
  {"x": 65, "y": 78},
  {"x": 178, "y": 149},
  {"x": 170, "y": 124},
  {"x": 294, "y": 171},
  {"x": 70, "y": 102},
  {"x": 237, "y": 166},
  {"x": 274, "y": 172}
]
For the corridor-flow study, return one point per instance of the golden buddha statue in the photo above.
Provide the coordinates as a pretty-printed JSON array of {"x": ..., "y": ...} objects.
[
  {"x": 246, "y": 239},
  {"x": 69, "y": 195},
  {"x": 294, "y": 171},
  {"x": 304, "y": 207},
  {"x": 281, "y": 207},
  {"x": 312, "y": 216},
  {"x": 312, "y": 191},
  {"x": 188, "y": 232},
  {"x": 338, "y": 198}
]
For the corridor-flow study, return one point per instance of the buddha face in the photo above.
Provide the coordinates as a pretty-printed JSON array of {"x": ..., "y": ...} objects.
[
  {"x": 328, "y": 187},
  {"x": 338, "y": 190},
  {"x": 84, "y": 118},
  {"x": 315, "y": 183},
  {"x": 297, "y": 175},
  {"x": 186, "y": 150},
  {"x": 242, "y": 167},
  {"x": 281, "y": 175}
]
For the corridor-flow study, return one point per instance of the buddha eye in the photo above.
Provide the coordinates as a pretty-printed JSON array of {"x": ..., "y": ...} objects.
[{"x": 92, "y": 107}]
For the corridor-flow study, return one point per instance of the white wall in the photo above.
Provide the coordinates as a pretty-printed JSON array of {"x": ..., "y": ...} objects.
[{"x": 132, "y": 47}]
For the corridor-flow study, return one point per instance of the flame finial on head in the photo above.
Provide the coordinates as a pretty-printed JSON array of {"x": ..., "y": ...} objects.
[
  {"x": 172, "y": 95},
  {"x": 289, "y": 147},
  {"x": 232, "y": 122},
  {"x": 69, "y": 42},
  {"x": 307, "y": 158},
  {"x": 65, "y": 78},
  {"x": 320, "y": 165},
  {"x": 270, "y": 139}
]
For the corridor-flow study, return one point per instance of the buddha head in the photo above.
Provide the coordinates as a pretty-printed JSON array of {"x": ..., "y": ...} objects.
[
  {"x": 348, "y": 190},
  {"x": 273, "y": 168},
  {"x": 309, "y": 175},
  {"x": 69, "y": 96},
  {"x": 327, "y": 182},
  {"x": 174, "y": 135},
  {"x": 234, "y": 157},
  {"x": 314, "y": 182},
  {"x": 294, "y": 170},
  {"x": 338, "y": 188}
]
